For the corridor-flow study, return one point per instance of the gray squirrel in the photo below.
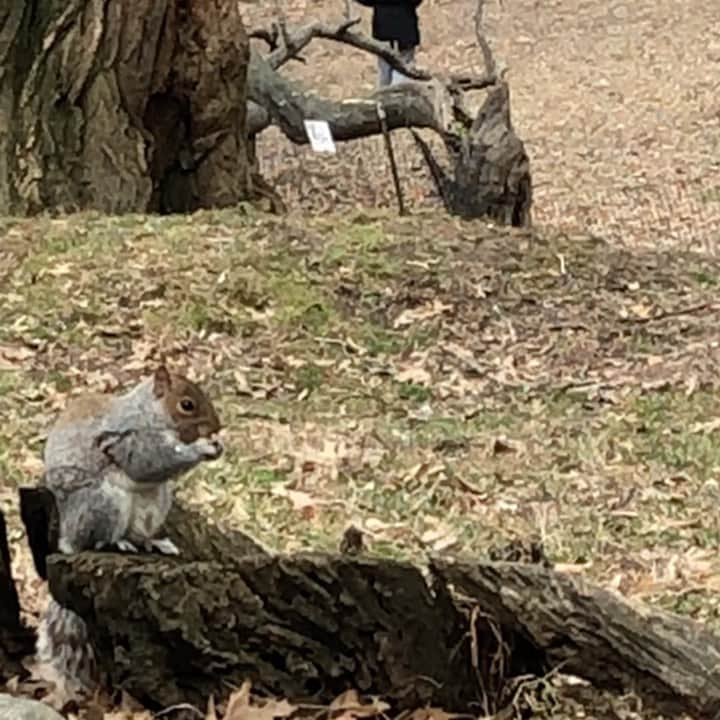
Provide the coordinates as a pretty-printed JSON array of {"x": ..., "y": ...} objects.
[{"x": 108, "y": 460}]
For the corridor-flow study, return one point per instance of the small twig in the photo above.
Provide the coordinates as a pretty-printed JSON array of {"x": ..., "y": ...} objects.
[
  {"x": 391, "y": 157},
  {"x": 437, "y": 174},
  {"x": 690, "y": 310},
  {"x": 490, "y": 66},
  {"x": 299, "y": 39},
  {"x": 181, "y": 706},
  {"x": 563, "y": 266},
  {"x": 269, "y": 36}
]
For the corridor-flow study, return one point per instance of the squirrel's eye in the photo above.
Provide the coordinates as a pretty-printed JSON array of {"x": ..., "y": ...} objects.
[{"x": 187, "y": 405}]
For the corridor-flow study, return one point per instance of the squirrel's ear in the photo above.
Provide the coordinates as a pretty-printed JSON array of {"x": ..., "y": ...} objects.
[{"x": 161, "y": 382}]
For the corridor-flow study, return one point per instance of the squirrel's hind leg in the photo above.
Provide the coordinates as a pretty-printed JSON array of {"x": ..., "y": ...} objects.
[{"x": 93, "y": 518}]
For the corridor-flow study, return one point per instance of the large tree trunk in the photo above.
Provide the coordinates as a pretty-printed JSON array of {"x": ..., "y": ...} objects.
[{"x": 122, "y": 106}]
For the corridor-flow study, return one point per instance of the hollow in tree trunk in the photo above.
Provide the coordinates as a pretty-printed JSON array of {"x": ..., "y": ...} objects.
[{"x": 122, "y": 106}]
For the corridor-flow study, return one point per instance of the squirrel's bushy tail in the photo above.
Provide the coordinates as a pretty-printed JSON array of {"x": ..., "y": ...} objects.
[{"x": 63, "y": 647}]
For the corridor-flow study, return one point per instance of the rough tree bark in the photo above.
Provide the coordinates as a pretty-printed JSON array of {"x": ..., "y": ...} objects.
[
  {"x": 122, "y": 106},
  {"x": 490, "y": 171},
  {"x": 668, "y": 660},
  {"x": 306, "y": 627},
  {"x": 309, "y": 626}
]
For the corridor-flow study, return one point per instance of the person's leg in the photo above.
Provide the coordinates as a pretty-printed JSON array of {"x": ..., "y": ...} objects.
[
  {"x": 384, "y": 73},
  {"x": 384, "y": 70},
  {"x": 408, "y": 57}
]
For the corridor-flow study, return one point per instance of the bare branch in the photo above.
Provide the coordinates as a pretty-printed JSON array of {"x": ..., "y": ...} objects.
[
  {"x": 300, "y": 38},
  {"x": 281, "y": 23},
  {"x": 484, "y": 182},
  {"x": 488, "y": 58},
  {"x": 277, "y": 100},
  {"x": 341, "y": 32},
  {"x": 269, "y": 36}
]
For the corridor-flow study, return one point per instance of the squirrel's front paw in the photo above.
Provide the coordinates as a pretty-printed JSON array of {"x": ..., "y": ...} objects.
[
  {"x": 164, "y": 545},
  {"x": 209, "y": 448},
  {"x": 126, "y": 546}
]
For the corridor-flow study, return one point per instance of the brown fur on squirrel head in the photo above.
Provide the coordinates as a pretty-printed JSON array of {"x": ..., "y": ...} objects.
[{"x": 191, "y": 410}]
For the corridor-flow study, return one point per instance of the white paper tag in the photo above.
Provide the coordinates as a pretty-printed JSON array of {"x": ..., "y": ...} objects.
[{"x": 321, "y": 139}]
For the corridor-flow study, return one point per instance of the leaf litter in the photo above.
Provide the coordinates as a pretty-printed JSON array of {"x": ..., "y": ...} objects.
[
  {"x": 566, "y": 351},
  {"x": 544, "y": 406}
]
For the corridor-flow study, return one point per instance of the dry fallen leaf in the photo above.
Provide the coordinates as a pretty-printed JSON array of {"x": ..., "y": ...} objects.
[
  {"x": 501, "y": 446},
  {"x": 433, "y": 713},
  {"x": 348, "y": 706},
  {"x": 641, "y": 310},
  {"x": 439, "y": 537},
  {"x": 299, "y": 499},
  {"x": 416, "y": 375},
  {"x": 12, "y": 357},
  {"x": 424, "y": 312},
  {"x": 240, "y": 708}
]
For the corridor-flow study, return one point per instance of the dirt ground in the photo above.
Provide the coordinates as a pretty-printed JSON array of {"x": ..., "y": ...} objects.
[{"x": 616, "y": 101}]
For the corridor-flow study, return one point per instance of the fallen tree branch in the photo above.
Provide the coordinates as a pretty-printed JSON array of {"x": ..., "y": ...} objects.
[
  {"x": 277, "y": 100},
  {"x": 304, "y": 627},
  {"x": 491, "y": 175},
  {"x": 308, "y": 626},
  {"x": 669, "y": 661}
]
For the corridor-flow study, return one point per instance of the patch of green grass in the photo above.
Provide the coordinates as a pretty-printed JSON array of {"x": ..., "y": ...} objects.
[
  {"x": 9, "y": 381},
  {"x": 414, "y": 392},
  {"x": 440, "y": 429},
  {"x": 710, "y": 195},
  {"x": 309, "y": 377},
  {"x": 265, "y": 476},
  {"x": 294, "y": 321},
  {"x": 379, "y": 341},
  {"x": 706, "y": 279},
  {"x": 361, "y": 250},
  {"x": 675, "y": 430},
  {"x": 60, "y": 381},
  {"x": 202, "y": 315},
  {"x": 298, "y": 303}
]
